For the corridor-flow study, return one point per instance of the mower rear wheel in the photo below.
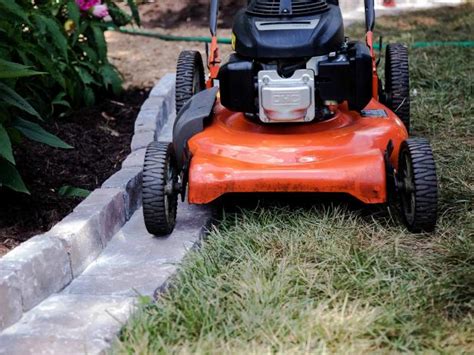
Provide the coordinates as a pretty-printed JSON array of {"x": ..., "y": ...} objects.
[
  {"x": 160, "y": 198},
  {"x": 397, "y": 82},
  {"x": 189, "y": 77},
  {"x": 417, "y": 185}
]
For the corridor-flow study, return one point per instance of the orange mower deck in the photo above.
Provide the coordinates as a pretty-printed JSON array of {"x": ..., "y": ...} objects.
[{"x": 343, "y": 155}]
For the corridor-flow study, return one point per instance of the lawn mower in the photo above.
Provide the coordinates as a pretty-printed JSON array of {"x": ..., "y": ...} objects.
[{"x": 298, "y": 107}]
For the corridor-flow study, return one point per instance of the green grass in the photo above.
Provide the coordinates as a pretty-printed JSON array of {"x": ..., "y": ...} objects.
[{"x": 336, "y": 278}]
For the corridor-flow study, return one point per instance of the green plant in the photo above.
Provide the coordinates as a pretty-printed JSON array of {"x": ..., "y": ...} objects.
[
  {"x": 53, "y": 57},
  {"x": 13, "y": 127},
  {"x": 71, "y": 192}
]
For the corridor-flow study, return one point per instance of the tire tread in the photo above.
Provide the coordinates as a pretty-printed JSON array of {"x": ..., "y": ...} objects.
[
  {"x": 397, "y": 76},
  {"x": 188, "y": 63},
  {"x": 425, "y": 182},
  {"x": 157, "y": 158}
]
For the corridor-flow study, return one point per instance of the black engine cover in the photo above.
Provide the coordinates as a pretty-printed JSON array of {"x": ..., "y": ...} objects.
[
  {"x": 267, "y": 37},
  {"x": 361, "y": 76},
  {"x": 349, "y": 79},
  {"x": 238, "y": 84}
]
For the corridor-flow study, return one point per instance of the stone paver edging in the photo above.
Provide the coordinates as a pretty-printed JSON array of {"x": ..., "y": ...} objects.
[
  {"x": 74, "y": 286},
  {"x": 47, "y": 263}
]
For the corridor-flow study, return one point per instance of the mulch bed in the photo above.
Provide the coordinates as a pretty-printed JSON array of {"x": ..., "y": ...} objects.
[{"x": 101, "y": 137}]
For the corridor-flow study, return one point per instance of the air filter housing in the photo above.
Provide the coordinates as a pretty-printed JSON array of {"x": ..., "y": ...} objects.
[
  {"x": 307, "y": 28},
  {"x": 286, "y": 7}
]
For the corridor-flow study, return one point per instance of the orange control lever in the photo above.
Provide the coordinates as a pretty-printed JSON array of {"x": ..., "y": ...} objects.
[{"x": 214, "y": 62}]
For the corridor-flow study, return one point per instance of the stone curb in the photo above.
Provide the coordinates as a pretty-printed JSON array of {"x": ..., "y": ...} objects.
[
  {"x": 48, "y": 263},
  {"x": 68, "y": 324}
]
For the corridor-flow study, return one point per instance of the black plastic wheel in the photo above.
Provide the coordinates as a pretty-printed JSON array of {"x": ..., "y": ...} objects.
[
  {"x": 160, "y": 198},
  {"x": 417, "y": 185},
  {"x": 189, "y": 77},
  {"x": 397, "y": 82}
]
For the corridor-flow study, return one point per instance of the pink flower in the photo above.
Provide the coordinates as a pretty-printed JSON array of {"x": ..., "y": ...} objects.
[
  {"x": 100, "y": 11},
  {"x": 85, "y": 5}
]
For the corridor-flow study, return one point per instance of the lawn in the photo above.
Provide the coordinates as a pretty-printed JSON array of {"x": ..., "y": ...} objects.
[{"x": 335, "y": 277}]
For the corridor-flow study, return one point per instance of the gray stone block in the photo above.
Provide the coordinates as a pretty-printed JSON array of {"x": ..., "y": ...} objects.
[
  {"x": 80, "y": 234},
  {"x": 154, "y": 104},
  {"x": 166, "y": 133},
  {"x": 87, "y": 230},
  {"x": 109, "y": 206},
  {"x": 42, "y": 267},
  {"x": 10, "y": 298},
  {"x": 130, "y": 181},
  {"x": 165, "y": 86},
  {"x": 131, "y": 280},
  {"x": 142, "y": 140},
  {"x": 147, "y": 121},
  {"x": 135, "y": 159},
  {"x": 68, "y": 324},
  {"x": 51, "y": 344}
]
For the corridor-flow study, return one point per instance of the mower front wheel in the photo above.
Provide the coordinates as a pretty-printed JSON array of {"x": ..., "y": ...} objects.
[
  {"x": 160, "y": 196},
  {"x": 417, "y": 185}
]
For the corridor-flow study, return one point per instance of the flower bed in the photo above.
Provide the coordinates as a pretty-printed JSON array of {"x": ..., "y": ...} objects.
[
  {"x": 53, "y": 59},
  {"x": 101, "y": 136}
]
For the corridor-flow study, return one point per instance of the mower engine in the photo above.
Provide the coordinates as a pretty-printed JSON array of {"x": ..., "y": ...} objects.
[{"x": 292, "y": 63}]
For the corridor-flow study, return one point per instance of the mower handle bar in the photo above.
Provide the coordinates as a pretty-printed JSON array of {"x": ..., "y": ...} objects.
[
  {"x": 369, "y": 15},
  {"x": 214, "y": 13}
]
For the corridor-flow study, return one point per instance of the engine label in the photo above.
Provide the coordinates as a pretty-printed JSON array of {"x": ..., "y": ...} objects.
[{"x": 374, "y": 113}]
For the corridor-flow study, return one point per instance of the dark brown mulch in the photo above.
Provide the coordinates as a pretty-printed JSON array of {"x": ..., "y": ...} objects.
[
  {"x": 172, "y": 13},
  {"x": 101, "y": 137}
]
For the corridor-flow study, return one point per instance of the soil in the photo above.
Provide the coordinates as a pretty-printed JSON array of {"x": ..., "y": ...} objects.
[
  {"x": 143, "y": 61},
  {"x": 174, "y": 14},
  {"x": 101, "y": 138}
]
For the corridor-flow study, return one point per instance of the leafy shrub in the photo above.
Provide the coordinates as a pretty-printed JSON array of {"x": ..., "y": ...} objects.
[{"x": 53, "y": 57}]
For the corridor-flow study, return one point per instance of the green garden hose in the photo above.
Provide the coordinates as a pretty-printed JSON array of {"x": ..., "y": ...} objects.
[
  {"x": 173, "y": 38},
  {"x": 442, "y": 44}
]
